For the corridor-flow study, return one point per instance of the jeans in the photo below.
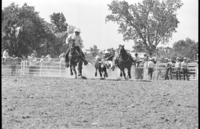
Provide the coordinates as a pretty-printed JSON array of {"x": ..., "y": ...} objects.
[
  {"x": 168, "y": 74},
  {"x": 150, "y": 72},
  {"x": 185, "y": 74},
  {"x": 178, "y": 73}
]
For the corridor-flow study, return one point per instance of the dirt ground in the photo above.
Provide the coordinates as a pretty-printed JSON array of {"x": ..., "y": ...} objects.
[{"x": 61, "y": 103}]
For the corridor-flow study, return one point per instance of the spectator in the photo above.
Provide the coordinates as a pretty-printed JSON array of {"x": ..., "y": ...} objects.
[
  {"x": 150, "y": 67},
  {"x": 168, "y": 74},
  {"x": 62, "y": 57},
  {"x": 184, "y": 68},
  {"x": 32, "y": 59},
  {"x": 5, "y": 55},
  {"x": 157, "y": 70},
  {"x": 48, "y": 58},
  {"x": 145, "y": 68},
  {"x": 42, "y": 59},
  {"x": 137, "y": 61},
  {"x": 178, "y": 68},
  {"x": 35, "y": 53}
]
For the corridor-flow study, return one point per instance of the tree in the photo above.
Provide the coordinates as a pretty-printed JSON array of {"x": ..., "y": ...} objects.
[
  {"x": 185, "y": 48},
  {"x": 151, "y": 21},
  {"x": 139, "y": 47},
  {"x": 23, "y": 29},
  {"x": 59, "y": 20},
  {"x": 165, "y": 52}
]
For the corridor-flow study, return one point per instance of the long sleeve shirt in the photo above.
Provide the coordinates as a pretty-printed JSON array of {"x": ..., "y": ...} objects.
[
  {"x": 184, "y": 64},
  {"x": 78, "y": 40},
  {"x": 178, "y": 64}
]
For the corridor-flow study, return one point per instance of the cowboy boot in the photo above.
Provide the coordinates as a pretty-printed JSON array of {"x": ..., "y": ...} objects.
[
  {"x": 84, "y": 60},
  {"x": 67, "y": 59}
]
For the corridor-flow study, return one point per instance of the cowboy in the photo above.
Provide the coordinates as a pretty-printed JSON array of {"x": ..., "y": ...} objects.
[
  {"x": 178, "y": 68},
  {"x": 77, "y": 42},
  {"x": 184, "y": 68}
]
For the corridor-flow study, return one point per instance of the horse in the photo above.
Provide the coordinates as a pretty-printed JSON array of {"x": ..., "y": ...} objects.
[
  {"x": 74, "y": 60},
  {"x": 102, "y": 68},
  {"x": 124, "y": 61}
]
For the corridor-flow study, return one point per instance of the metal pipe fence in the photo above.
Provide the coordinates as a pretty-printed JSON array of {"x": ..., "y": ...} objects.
[{"x": 57, "y": 68}]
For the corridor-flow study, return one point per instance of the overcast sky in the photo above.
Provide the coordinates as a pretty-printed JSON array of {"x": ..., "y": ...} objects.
[{"x": 89, "y": 16}]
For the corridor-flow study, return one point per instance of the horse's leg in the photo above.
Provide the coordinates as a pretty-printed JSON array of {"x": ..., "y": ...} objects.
[
  {"x": 129, "y": 72},
  {"x": 106, "y": 73},
  {"x": 124, "y": 74},
  {"x": 80, "y": 68},
  {"x": 120, "y": 73},
  {"x": 71, "y": 72},
  {"x": 95, "y": 72},
  {"x": 100, "y": 72},
  {"x": 74, "y": 69}
]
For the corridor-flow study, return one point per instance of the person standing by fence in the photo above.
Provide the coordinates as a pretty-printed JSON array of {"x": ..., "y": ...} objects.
[
  {"x": 178, "y": 68},
  {"x": 184, "y": 68},
  {"x": 145, "y": 68},
  {"x": 5, "y": 55},
  {"x": 150, "y": 68},
  {"x": 137, "y": 61},
  {"x": 168, "y": 74}
]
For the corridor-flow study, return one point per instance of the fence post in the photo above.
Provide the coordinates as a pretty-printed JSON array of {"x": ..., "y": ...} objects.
[
  {"x": 197, "y": 73},
  {"x": 21, "y": 65},
  {"x": 60, "y": 67},
  {"x": 40, "y": 68}
]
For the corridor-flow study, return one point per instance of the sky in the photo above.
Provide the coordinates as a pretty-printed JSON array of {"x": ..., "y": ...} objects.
[{"x": 89, "y": 16}]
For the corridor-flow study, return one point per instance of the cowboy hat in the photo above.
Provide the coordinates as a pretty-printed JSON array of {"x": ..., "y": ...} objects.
[{"x": 77, "y": 30}]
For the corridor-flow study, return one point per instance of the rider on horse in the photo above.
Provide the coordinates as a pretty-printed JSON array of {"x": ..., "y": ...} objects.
[{"x": 75, "y": 40}]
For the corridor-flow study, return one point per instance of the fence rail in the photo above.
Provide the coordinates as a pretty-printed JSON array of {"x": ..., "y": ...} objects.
[{"x": 57, "y": 69}]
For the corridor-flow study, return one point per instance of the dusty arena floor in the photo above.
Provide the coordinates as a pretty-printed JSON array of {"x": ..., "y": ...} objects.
[{"x": 61, "y": 103}]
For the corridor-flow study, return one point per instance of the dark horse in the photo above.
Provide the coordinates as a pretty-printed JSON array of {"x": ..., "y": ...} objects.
[
  {"x": 74, "y": 60},
  {"x": 102, "y": 68},
  {"x": 123, "y": 61}
]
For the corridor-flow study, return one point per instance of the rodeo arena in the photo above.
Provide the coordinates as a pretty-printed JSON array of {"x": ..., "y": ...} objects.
[{"x": 55, "y": 82}]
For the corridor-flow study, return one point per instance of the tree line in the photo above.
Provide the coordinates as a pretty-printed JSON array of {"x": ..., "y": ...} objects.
[
  {"x": 24, "y": 31},
  {"x": 148, "y": 23}
]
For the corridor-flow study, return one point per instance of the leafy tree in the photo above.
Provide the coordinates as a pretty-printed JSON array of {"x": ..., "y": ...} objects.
[
  {"x": 22, "y": 28},
  {"x": 151, "y": 22},
  {"x": 59, "y": 20},
  {"x": 24, "y": 31},
  {"x": 139, "y": 47},
  {"x": 185, "y": 48},
  {"x": 165, "y": 52}
]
